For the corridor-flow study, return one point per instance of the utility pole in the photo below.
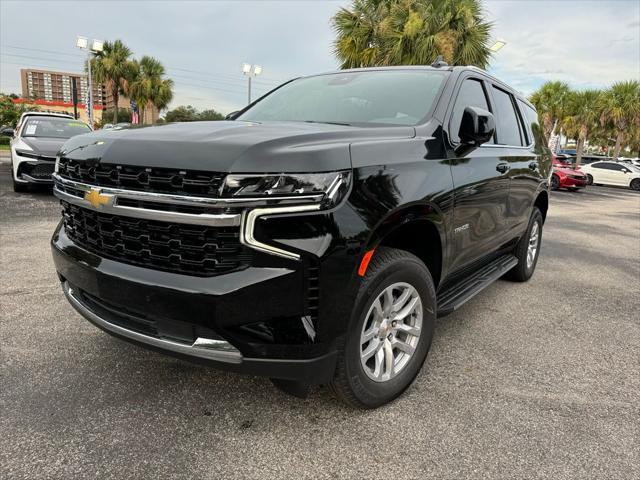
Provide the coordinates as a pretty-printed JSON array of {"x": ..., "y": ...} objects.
[
  {"x": 96, "y": 47},
  {"x": 74, "y": 96}
]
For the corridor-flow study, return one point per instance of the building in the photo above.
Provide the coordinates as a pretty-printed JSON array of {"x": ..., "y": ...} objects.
[
  {"x": 52, "y": 90},
  {"x": 57, "y": 87}
]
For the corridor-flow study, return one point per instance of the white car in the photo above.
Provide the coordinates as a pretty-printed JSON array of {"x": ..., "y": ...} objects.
[
  {"x": 612, "y": 173},
  {"x": 35, "y": 143}
]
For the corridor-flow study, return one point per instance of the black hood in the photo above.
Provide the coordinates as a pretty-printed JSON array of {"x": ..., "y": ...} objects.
[
  {"x": 44, "y": 146},
  {"x": 229, "y": 146}
]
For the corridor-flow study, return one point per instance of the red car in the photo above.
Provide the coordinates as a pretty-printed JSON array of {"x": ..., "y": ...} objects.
[{"x": 565, "y": 175}]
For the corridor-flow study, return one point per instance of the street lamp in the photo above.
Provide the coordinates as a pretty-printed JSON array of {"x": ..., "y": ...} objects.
[
  {"x": 96, "y": 46},
  {"x": 498, "y": 44},
  {"x": 251, "y": 71}
]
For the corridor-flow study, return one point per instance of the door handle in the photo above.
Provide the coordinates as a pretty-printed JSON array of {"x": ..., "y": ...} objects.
[
  {"x": 503, "y": 167},
  {"x": 533, "y": 165}
]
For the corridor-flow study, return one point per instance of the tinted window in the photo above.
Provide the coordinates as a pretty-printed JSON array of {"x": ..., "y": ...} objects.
[
  {"x": 607, "y": 166},
  {"x": 599, "y": 165},
  {"x": 471, "y": 94},
  {"x": 531, "y": 119},
  {"x": 400, "y": 97},
  {"x": 507, "y": 129},
  {"x": 53, "y": 127}
]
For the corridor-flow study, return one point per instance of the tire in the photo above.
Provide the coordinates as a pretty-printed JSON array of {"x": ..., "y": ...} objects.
[
  {"x": 396, "y": 271},
  {"x": 524, "y": 270},
  {"x": 635, "y": 184},
  {"x": 555, "y": 182},
  {"x": 589, "y": 179}
]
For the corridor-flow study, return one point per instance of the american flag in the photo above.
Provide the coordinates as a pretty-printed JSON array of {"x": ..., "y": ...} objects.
[{"x": 135, "y": 117}]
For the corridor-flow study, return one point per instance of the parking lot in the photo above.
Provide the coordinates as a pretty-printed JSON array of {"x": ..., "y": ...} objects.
[{"x": 535, "y": 380}]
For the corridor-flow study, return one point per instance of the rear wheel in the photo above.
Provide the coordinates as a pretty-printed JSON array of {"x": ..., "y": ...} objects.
[
  {"x": 528, "y": 249},
  {"x": 555, "y": 182},
  {"x": 635, "y": 184},
  {"x": 390, "y": 332},
  {"x": 589, "y": 179}
]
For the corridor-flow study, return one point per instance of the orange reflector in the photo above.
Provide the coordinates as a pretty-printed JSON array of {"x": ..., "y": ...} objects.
[{"x": 365, "y": 262}]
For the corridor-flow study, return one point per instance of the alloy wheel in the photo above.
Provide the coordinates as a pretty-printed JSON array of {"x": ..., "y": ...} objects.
[
  {"x": 534, "y": 240},
  {"x": 391, "y": 332}
]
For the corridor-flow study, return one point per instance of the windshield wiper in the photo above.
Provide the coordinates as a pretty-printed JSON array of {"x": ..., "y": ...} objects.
[{"x": 328, "y": 123}]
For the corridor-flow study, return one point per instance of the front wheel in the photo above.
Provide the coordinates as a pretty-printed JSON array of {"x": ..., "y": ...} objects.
[
  {"x": 635, "y": 184},
  {"x": 589, "y": 179},
  {"x": 555, "y": 182},
  {"x": 528, "y": 249},
  {"x": 390, "y": 331}
]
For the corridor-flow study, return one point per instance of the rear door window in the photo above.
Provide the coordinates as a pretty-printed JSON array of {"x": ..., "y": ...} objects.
[
  {"x": 507, "y": 122},
  {"x": 471, "y": 94}
]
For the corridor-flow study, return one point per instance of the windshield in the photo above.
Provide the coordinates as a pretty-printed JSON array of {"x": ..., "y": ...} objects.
[
  {"x": 397, "y": 97},
  {"x": 52, "y": 127}
]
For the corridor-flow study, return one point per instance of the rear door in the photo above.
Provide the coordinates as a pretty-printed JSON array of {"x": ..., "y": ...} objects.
[{"x": 481, "y": 182}]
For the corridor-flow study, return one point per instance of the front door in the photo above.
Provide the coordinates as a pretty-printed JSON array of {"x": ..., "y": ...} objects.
[{"x": 481, "y": 185}]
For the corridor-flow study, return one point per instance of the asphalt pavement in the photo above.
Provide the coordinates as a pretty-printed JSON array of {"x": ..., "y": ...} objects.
[{"x": 534, "y": 380}]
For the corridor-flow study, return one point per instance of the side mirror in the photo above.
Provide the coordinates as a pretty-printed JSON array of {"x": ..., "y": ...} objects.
[
  {"x": 477, "y": 127},
  {"x": 7, "y": 132},
  {"x": 232, "y": 115}
]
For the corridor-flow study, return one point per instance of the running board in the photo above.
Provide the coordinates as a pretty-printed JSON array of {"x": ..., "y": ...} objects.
[{"x": 454, "y": 297}]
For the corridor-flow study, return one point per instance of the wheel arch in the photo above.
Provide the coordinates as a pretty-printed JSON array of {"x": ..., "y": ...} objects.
[
  {"x": 542, "y": 203},
  {"x": 418, "y": 230}
]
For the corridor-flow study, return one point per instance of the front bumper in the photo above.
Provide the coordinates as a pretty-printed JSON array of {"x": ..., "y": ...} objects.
[
  {"x": 35, "y": 172},
  {"x": 568, "y": 182},
  {"x": 250, "y": 321}
]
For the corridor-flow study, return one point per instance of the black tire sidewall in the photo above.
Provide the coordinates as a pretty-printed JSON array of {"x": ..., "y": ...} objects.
[
  {"x": 555, "y": 182},
  {"x": 368, "y": 392},
  {"x": 635, "y": 184},
  {"x": 589, "y": 179}
]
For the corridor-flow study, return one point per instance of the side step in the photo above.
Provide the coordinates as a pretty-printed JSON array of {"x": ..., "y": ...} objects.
[{"x": 455, "y": 296}]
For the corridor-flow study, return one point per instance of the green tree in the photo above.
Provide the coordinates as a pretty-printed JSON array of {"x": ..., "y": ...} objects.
[
  {"x": 551, "y": 102},
  {"x": 10, "y": 112},
  {"x": 121, "y": 115},
  {"x": 149, "y": 87},
  {"x": 210, "y": 114},
  {"x": 114, "y": 68},
  {"x": 620, "y": 107},
  {"x": 411, "y": 32},
  {"x": 584, "y": 114},
  {"x": 190, "y": 114},
  {"x": 182, "y": 114}
]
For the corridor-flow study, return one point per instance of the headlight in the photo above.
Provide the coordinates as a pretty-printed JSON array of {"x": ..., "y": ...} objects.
[{"x": 333, "y": 185}]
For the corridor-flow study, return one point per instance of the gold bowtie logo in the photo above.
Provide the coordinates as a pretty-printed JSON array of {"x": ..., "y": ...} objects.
[{"x": 95, "y": 198}]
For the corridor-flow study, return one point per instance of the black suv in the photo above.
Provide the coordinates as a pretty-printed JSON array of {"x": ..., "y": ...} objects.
[{"x": 314, "y": 236}]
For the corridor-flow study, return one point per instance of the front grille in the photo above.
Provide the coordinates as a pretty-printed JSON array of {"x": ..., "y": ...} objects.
[
  {"x": 143, "y": 179},
  {"x": 171, "y": 247},
  {"x": 578, "y": 177}
]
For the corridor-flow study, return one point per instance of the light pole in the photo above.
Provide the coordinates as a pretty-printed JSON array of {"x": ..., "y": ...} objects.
[
  {"x": 96, "y": 46},
  {"x": 251, "y": 71}
]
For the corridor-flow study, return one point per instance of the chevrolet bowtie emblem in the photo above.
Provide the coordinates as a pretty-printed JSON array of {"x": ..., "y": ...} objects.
[{"x": 95, "y": 198}]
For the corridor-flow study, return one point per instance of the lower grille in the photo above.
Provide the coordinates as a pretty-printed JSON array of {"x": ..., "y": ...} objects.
[
  {"x": 39, "y": 171},
  {"x": 172, "y": 247}
]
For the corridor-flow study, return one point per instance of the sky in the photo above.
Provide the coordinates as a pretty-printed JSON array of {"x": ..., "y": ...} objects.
[{"x": 203, "y": 44}]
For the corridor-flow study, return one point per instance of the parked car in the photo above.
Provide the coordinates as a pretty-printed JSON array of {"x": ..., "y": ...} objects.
[
  {"x": 612, "y": 173},
  {"x": 34, "y": 146},
  {"x": 566, "y": 176},
  {"x": 315, "y": 236}
]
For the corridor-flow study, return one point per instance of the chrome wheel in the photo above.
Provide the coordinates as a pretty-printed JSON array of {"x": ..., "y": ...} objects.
[
  {"x": 391, "y": 332},
  {"x": 534, "y": 240}
]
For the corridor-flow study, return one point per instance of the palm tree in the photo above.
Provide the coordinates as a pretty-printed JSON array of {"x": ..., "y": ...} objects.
[
  {"x": 551, "y": 101},
  {"x": 113, "y": 68},
  {"x": 584, "y": 108},
  {"x": 621, "y": 108},
  {"x": 149, "y": 88},
  {"x": 411, "y": 32}
]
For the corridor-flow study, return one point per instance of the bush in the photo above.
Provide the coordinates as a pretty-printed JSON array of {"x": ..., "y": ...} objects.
[{"x": 4, "y": 140}]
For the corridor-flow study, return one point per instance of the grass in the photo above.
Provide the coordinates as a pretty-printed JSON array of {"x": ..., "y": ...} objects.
[{"x": 4, "y": 148}]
